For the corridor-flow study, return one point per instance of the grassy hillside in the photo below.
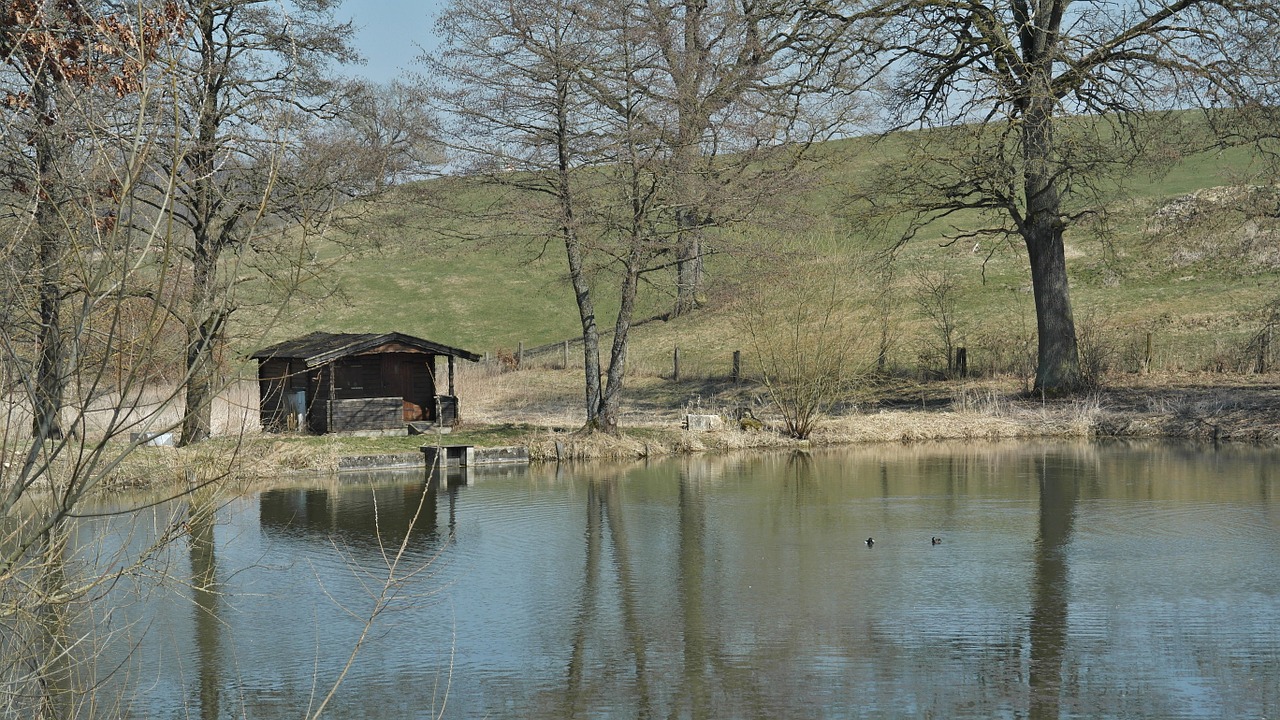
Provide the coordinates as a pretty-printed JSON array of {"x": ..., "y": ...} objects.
[{"x": 1194, "y": 272}]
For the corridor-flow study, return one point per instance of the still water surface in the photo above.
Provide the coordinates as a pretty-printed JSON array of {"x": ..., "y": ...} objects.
[{"x": 1072, "y": 581}]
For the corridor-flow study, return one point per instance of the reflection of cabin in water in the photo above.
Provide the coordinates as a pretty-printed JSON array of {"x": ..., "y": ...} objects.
[
  {"x": 326, "y": 382},
  {"x": 364, "y": 516}
]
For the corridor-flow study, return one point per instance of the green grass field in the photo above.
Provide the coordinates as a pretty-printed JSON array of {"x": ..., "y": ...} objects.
[{"x": 1198, "y": 284}]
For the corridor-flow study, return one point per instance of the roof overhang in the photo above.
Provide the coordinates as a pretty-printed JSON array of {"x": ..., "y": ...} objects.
[{"x": 320, "y": 348}]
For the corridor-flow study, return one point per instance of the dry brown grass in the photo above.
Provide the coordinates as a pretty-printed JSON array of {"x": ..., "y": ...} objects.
[
  {"x": 1195, "y": 406},
  {"x": 154, "y": 409},
  {"x": 1204, "y": 407}
]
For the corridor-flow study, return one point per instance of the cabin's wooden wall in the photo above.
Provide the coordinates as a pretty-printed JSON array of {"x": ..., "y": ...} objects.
[
  {"x": 274, "y": 378},
  {"x": 371, "y": 391},
  {"x": 385, "y": 413},
  {"x": 320, "y": 391},
  {"x": 358, "y": 378}
]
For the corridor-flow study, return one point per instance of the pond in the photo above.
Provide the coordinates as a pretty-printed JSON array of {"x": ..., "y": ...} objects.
[{"x": 1071, "y": 580}]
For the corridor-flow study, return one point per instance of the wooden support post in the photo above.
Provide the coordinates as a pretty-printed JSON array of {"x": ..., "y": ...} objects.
[
  {"x": 675, "y": 365},
  {"x": 451, "y": 363},
  {"x": 737, "y": 365},
  {"x": 1146, "y": 360},
  {"x": 520, "y": 355},
  {"x": 333, "y": 393},
  {"x": 564, "y": 356}
]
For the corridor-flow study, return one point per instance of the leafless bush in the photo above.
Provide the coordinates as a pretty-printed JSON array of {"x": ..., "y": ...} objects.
[
  {"x": 936, "y": 297},
  {"x": 1098, "y": 344},
  {"x": 1005, "y": 350},
  {"x": 806, "y": 342}
]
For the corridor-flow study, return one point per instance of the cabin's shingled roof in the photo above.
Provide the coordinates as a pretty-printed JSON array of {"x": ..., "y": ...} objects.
[{"x": 319, "y": 348}]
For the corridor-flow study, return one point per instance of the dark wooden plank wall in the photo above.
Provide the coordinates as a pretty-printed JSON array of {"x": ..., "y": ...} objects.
[
  {"x": 366, "y": 414},
  {"x": 273, "y": 378},
  {"x": 358, "y": 380},
  {"x": 351, "y": 394},
  {"x": 320, "y": 391},
  {"x": 422, "y": 387}
]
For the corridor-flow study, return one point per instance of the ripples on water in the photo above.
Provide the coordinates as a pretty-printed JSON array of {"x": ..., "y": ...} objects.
[{"x": 1072, "y": 581}]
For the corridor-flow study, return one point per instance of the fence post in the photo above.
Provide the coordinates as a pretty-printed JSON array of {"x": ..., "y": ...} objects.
[
  {"x": 737, "y": 365},
  {"x": 564, "y": 356},
  {"x": 520, "y": 355},
  {"x": 675, "y": 365},
  {"x": 1146, "y": 360}
]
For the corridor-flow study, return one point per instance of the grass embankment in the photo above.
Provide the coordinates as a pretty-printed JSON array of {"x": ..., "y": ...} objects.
[
  {"x": 1171, "y": 297},
  {"x": 1199, "y": 407}
]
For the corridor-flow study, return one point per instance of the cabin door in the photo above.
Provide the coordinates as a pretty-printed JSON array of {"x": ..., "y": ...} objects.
[{"x": 404, "y": 378}]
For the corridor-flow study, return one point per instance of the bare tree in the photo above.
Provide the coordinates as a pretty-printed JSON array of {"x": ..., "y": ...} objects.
[
  {"x": 383, "y": 136},
  {"x": 567, "y": 107},
  {"x": 712, "y": 54},
  {"x": 935, "y": 295},
  {"x": 725, "y": 86},
  {"x": 85, "y": 78},
  {"x": 1033, "y": 112},
  {"x": 806, "y": 342},
  {"x": 55, "y": 56},
  {"x": 120, "y": 165},
  {"x": 512, "y": 102},
  {"x": 253, "y": 72}
]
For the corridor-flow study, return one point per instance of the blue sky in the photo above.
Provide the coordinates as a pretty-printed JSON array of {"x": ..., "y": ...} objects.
[{"x": 390, "y": 33}]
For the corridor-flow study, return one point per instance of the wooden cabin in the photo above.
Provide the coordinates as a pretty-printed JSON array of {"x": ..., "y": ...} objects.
[{"x": 345, "y": 382}]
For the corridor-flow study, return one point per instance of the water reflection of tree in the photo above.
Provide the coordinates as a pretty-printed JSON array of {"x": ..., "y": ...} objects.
[
  {"x": 604, "y": 508},
  {"x": 1060, "y": 477},
  {"x": 691, "y": 582},
  {"x": 205, "y": 592},
  {"x": 53, "y": 634},
  {"x": 576, "y": 695},
  {"x": 707, "y": 677}
]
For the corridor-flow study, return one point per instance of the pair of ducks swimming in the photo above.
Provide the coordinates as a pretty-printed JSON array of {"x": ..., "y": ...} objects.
[{"x": 935, "y": 540}]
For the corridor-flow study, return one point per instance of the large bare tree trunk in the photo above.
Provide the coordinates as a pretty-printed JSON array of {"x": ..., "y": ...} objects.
[
  {"x": 688, "y": 272},
  {"x": 991, "y": 68},
  {"x": 1058, "y": 362},
  {"x": 590, "y": 331},
  {"x": 611, "y": 399},
  {"x": 204, "y": 330},
  {"x": 50, "y": 379},
  {"x": 689, "y": 284},
  {"x": 576, "y": 258},
  {"x": 203, "y": 319},
  {"x": 203, "y": 335},
  {"x": 259, "y": 78},
  {"x": 687, "y": 73}
]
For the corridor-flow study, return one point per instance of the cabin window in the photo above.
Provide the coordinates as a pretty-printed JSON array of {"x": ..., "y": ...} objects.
[{"x": 353, "y": 377}]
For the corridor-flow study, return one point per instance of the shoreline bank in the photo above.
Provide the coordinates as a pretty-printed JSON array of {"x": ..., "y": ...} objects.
[{"x": 1244, "y": 410}]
